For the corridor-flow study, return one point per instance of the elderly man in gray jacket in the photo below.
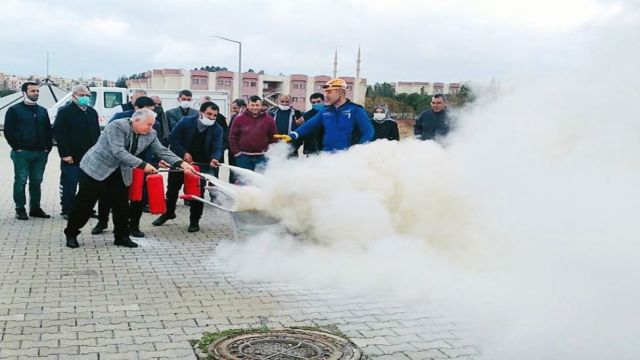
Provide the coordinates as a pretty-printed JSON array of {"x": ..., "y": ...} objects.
[{"x": 107, "y": 168}]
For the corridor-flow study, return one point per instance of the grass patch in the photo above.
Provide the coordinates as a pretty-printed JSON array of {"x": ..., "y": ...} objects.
[{"x": 209, "y": 338}]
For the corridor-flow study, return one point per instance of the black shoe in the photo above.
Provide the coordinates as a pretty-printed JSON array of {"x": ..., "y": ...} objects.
[
  {"x": 99, "y": 228},
  {"x": 145, "y": 208},
  {"x": 21, "y": 214},
  {"x": 135, "y": 232},
  {"x": 163, "y": 219},
  {"x": 72, "y": 242},
  {"x": 193, "y": 228},
  {"x": 126, "y": 242},
  {"x": 39, "y": 213}
]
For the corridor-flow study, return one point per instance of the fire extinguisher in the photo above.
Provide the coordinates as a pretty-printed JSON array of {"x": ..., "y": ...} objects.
[
  {"x": 155, "y": 192},
  {"x": 192, "y": 182},
  {"x": 137, "y": 182}
]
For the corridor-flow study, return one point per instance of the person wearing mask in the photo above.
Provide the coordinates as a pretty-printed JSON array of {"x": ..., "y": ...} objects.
[
  {"x": 221, "y": 120},
  {"x": 339, "y": 120},
  {"x": 434, "y": 123},
  {"x": 313, "y": 142},
  {"x": 27, "y": 129},
  {"x": 184, "y": 109},
  {"x": 163, "y": 134},
  {"x": 76, "y": 130},
  {"x": 107, "y": 168},
  {"x": 287, "y": 119},
  {"x": 251, "y": 134},
  {"x": 135, "y": 207},
  {"x": 384, "y": 126},
  {"x": 238, "y": 106},
  {"x": 196, "y": 139}
]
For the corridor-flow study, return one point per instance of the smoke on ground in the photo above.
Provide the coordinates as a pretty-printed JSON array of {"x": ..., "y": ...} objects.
[{"x": 524, "y": 225}]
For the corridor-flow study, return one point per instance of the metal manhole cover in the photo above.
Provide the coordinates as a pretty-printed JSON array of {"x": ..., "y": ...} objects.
[{"x": 284, "y": 345}]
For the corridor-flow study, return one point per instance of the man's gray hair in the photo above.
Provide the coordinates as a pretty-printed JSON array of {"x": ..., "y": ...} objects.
[
  {"x": 76, "y": 89},
  {"x": 143, "y": 114},
  {"x": 139, "y": 92}
]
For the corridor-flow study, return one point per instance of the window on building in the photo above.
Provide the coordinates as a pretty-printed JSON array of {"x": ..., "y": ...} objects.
[
  {"x": 294, "y": 99},
  {"x": 220, "y": 82},
  {"x": 245, "y": 83},
  {"x": 111, "y": 99},
  {"x": 195, "y": 81},
  {"x": 227, "y": 83},
  {"x": 303, "y": 86},
  {"x": 296, "y": 86},
  {"x": 252, "y": 84},
  {"x": 203, "y": 81}
]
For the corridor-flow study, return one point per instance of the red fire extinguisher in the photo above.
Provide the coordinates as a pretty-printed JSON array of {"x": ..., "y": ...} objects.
[
  {"x": 137, "y": 182},
  {"x": 155, "y": 192},
  {"x": 192, "y": 182}
]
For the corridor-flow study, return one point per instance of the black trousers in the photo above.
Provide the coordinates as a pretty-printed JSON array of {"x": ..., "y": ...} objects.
[
  {"x": 176, "y": 180},
  {"x": 113, "y": 190},
  {"x": 135, "y": 208}
]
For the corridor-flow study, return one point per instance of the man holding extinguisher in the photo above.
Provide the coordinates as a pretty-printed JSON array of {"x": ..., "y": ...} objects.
[
  {"x": 198, "y": 140},
  {"x": 107, "y": 167}
]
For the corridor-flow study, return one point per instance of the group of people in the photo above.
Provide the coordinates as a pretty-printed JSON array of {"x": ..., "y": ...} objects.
[{"x": 97, "y": 167}]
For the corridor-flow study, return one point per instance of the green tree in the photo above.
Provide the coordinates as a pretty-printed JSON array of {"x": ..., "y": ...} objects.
[
  {"x": 122, "y": 81},
  {"x": 212, "y": 68},
  {"x": 381, "y": 90},
  {"x": 5, "y": 92}
]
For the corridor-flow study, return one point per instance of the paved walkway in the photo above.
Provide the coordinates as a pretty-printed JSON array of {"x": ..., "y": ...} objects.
[{"x": 105, "y": 302}]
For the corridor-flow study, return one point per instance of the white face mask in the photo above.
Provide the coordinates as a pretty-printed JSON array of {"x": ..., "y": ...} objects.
[
  {"x": 185, "y": 104},
  {"x": 284, "y": 107},
  {"x": 207, "y": 122},
  {"x": 378, "y": 116}
]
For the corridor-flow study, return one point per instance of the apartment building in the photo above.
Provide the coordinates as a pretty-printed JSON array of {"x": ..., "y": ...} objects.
[{"x": 299, "y": 86}]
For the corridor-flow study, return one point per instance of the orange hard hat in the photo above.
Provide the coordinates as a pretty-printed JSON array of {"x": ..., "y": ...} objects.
[{"x": 335, "y": 84}]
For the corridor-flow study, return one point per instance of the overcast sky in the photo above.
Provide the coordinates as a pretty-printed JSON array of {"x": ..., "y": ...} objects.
[{"x": 401, "y": 40}]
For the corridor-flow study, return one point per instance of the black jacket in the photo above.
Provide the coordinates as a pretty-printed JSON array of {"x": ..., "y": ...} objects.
[
  {"x": 76, "y": 131},
  {"x": 386, "y": 129},
  {"x": 431, "y": 124},
  {"x": 313, "y": 141},
  {"x": 27, "y": 127}
]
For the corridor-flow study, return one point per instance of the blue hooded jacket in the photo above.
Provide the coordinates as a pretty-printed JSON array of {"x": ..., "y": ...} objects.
[{"x": 339, "y": 125}]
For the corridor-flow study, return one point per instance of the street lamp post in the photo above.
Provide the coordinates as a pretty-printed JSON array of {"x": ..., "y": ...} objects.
[{"x": 239, "y": 62}]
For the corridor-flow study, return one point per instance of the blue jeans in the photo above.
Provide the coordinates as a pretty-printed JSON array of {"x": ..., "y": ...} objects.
[
  {"x": 69, "y": 178},
  {"x": 28, "y": 165},
  {"x": 251, "y": 162}
]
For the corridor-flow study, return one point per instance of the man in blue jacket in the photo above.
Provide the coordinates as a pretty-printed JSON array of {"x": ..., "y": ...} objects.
[
  {"x": 197, "y": 140},
  {"x": 339, "y": 120},
  {"x": 434, "y": 123},
  {"x": 27, "y": 129}
]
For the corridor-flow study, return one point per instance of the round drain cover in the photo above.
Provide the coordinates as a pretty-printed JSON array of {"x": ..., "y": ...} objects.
[{"x": 284, "y": 345}]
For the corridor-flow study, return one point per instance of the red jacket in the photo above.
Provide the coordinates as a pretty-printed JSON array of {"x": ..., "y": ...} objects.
[{"x": 251, "y": 135}]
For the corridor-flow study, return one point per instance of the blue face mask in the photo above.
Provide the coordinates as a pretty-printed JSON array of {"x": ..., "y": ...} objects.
[
  {"x": 84, "y": 100},
  {"x": 318, "y": 107}
]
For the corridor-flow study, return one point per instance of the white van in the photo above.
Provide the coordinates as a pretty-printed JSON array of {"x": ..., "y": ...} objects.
[{"x": 107, "y": 100}]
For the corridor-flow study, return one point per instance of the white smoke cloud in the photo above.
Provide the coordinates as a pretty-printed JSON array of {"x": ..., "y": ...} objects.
[{"x": 524, "y": 226}]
